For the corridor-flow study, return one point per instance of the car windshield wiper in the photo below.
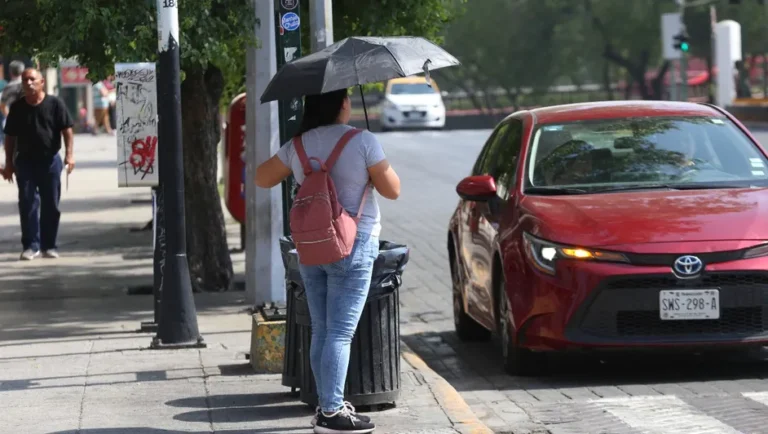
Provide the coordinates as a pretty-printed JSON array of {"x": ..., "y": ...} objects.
[
  {"x": 700, "y": 186},
  {"x": 554, "y": 190}
]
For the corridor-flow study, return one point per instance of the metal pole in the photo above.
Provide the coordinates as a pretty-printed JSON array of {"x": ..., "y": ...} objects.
[
  {"x": 683, "y": 59},
  {"x": 158, "y": 258},
  {"x": 673, "y": 81},
  {"x": 265, "y": 275},
  {"x": 288, "y": 48},
  {"x": 712, "y": 53},
  {"x": 683, "y": 76},
  {"x": 765, "y": 52},
  {"x": 321, "y": 24},
  {"x": 178, "y": 318}
]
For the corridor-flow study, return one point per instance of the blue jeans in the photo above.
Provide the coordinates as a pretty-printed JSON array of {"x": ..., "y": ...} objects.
[
  {"x": 39, "y": 182},
  {"x": 336, "y": 294}
]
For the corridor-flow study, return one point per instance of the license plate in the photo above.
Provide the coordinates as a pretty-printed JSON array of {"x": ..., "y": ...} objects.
[{"x": 688, "y": 304}]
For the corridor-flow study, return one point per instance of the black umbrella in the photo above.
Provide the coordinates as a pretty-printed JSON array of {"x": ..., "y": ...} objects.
[{"x": 356, "y": 61}]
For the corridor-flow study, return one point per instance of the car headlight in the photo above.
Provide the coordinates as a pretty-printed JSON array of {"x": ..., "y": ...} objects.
[
  {"x": 756, "y": 252},
  {"x": 545, "y": 254}
]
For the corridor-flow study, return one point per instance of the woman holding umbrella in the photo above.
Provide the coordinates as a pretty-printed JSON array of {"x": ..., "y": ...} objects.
[{"x": 336, "y": 293}]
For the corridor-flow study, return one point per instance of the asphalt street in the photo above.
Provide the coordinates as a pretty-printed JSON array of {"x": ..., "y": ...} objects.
[{"x": 686, "y": 394}]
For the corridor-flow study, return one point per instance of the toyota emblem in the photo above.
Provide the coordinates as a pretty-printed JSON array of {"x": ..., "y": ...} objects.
[{"x": 686, "y": 267}]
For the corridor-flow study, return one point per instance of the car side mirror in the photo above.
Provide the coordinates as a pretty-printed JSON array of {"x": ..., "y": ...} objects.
[{"x": 479, "y": 188}]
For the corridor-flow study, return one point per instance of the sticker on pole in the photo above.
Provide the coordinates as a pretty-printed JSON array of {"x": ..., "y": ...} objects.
[
  {"x": 289, "y": 4},
  {"x": 137, "y": 122},
  {"x": 290, "y": 21}
]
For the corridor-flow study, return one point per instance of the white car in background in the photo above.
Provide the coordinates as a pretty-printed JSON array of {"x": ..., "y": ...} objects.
[{"x": 411, "y": 102}]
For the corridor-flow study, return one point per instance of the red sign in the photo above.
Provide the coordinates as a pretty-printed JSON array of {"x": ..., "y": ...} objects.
[
  {"x": 234, "y": 153},
  {"x": 74, "y": 75}
]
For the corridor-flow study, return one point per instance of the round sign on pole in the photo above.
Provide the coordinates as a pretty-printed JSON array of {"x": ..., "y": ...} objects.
[
  {"x": 290, "y": 21},
  {"x": 289, "y": 4}
]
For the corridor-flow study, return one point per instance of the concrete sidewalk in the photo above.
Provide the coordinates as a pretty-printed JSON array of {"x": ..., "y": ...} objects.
[{"x": 71, "y": 360}]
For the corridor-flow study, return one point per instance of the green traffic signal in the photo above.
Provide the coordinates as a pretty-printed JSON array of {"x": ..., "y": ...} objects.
[{"x": 684, "y": 47}]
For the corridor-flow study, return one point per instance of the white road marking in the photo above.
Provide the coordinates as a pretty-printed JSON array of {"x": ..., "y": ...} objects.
[
  {"x": 663, "y": 415},
  {"x": 761, "y": 397}
]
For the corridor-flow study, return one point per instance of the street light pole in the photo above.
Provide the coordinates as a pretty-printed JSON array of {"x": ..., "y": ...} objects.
[
  {"x": 683, "y": 58},
  {"x": 178, "y": 318},
  {"x": 321, "y": 24}
]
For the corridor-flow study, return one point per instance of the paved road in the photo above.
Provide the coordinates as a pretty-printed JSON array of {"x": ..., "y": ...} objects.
[{"x": 682, "y": 394}]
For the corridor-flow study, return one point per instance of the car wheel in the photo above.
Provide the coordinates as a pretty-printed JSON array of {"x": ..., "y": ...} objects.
[
  {"x": 518, "y": 361},
  {"x": 466, "y": 328}
]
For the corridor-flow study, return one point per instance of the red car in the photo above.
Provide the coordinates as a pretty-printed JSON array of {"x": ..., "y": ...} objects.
[{"x": 612, "y": 225}]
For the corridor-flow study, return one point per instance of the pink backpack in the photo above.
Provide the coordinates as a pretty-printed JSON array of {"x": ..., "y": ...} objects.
[{"x": 322, "y": 230}]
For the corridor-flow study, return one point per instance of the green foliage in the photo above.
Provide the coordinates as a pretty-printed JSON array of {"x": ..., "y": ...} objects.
[{"x": 100, "y": 33}]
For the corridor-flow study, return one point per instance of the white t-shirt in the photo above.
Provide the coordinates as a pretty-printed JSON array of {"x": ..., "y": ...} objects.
[{"x": 349, "y": 174}]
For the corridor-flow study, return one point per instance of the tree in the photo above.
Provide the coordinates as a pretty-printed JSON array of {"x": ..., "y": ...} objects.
[
  {"x": 214, "y": 37},
  {"x": 214, "y": 34}
]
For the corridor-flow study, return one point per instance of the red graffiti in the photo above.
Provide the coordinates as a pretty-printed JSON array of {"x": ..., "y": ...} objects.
[{"x": 143, "y": 155}]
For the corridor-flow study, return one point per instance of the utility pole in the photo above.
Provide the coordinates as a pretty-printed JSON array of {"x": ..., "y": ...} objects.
[
  {"x": 683, "y": 54},
  {"x": 321, "y": 24},
  {"x": 265, "y": 274},
  {"x": 288, "y": 49},
  {"x": 178, "y": 317}
]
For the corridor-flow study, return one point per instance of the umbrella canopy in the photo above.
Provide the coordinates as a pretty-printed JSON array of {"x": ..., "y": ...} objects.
[{"x": 356, "y": 61}]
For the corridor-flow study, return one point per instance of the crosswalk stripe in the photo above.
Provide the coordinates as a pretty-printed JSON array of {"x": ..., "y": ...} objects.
[
  {"x": 761, "y": 397},
  {"x": 662, "y": 415}
]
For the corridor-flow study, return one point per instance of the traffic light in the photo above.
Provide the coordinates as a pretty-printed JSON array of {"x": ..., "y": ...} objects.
[{"x": 681, "y": 42}]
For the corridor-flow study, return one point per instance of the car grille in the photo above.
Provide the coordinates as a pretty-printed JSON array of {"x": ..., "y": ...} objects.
[{"x": 628, "y": 307}]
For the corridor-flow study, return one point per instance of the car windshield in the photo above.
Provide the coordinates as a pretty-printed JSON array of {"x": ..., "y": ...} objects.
[
  {"x": 411, "y": 89},
  {"x": 623, "y": 154}
]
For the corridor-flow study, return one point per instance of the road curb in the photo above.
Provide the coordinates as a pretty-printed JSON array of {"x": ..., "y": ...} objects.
[{"x": 463, "y": 418}]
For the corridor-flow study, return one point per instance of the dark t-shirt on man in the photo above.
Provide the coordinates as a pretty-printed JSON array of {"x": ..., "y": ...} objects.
[{"x": 38, "y": 128}]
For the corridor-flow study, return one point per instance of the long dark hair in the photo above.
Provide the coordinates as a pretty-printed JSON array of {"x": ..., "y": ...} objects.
[{"x": 321, "y": 110}]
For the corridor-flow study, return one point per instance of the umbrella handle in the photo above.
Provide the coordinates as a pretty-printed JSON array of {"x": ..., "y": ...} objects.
[{"x": 365, "y": 110}]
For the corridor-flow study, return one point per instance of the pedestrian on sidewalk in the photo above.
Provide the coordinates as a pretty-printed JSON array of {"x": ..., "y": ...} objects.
[
  {"x": 34, "y": 129},
  {"x": 11, "y": 92},
  {"x": 101, "y": 108},
  {"x": 337, "y": 292}
]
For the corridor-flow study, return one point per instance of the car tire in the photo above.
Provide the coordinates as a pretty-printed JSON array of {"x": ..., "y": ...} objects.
[
  {"x": 467, "y": 329},
  {"x": 518, "y": 361}
]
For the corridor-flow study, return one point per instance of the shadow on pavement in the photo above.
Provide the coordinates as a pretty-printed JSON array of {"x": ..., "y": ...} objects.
[
  {"x": 144, "y": 430},
  {"x": 78, "y": 205},
  {"x": 88, "y": 238},
  {"x": 95, "y": 316},
  {"x": 478, "y": 366}
]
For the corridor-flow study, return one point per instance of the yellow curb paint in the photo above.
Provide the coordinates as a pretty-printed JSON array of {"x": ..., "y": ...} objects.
[{"x": 447, "y": 396}]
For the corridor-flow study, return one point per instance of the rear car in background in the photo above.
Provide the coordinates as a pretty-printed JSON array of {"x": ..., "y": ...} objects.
[
  {"x": 411, "y": 102},
  {"x": 619, "y": 225}
]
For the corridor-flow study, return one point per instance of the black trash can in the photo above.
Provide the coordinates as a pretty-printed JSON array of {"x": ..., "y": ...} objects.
[
  {"x": 292, "y": 353},
  {"x": 373, "y": 376}
]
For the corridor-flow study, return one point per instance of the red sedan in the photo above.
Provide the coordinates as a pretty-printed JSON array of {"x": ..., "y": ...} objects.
[{"x": 612, "y": 225}]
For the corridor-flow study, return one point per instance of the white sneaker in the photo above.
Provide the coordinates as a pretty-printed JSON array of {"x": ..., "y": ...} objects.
[
  {"x": 29, "y": 254},
  {"x": 51, "y": 254}
]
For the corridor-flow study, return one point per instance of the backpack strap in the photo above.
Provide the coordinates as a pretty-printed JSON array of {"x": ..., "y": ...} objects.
[
  {"x": 298, "y": 145},
  {"x": 340, "y": 147}
]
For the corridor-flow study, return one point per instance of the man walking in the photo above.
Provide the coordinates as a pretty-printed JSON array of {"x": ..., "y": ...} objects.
[
  {"x": 34, "y": 128},
  {"x": 11, "y": 92}
]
